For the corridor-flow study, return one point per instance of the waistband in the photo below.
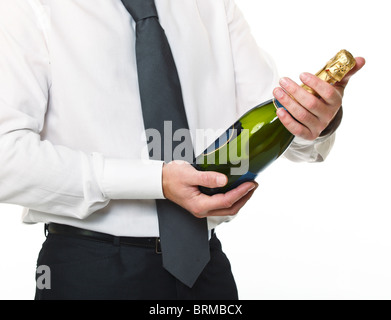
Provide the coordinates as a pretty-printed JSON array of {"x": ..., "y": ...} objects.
[{"x": 146, "y": 242}]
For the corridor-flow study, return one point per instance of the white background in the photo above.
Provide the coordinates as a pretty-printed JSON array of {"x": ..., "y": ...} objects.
[{"x": 312, "y": 231}]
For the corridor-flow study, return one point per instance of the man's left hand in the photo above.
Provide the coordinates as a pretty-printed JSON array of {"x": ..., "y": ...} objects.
[{"x": 313, "y": 114}]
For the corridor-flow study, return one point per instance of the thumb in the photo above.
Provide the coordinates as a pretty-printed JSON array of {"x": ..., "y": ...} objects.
[
  {"x": 360, "y": 63},
  {"x": 210, "y": 179}
]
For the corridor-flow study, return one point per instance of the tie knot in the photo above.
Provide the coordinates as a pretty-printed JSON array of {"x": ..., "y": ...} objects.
[{"x": 141, "y": 9}]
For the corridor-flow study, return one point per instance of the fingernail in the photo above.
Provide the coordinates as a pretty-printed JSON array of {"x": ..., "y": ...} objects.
[
  {"x": 250, "y": 189},
  {"x": 278, "y": 93},
  {"x": 284, "y": 82},
  {"x": 304, "y": 76},
  {"x": 221, "y": 181},
  {"x": 280, "y": 112}
]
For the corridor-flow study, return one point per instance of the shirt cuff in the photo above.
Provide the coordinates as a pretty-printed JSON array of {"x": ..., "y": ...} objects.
[
  {"x": 310, "y": 151},
  {"x": 132, "y": 179}
]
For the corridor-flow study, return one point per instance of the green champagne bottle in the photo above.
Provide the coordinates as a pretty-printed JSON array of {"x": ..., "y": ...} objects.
[{"x": 258, "y": 138}]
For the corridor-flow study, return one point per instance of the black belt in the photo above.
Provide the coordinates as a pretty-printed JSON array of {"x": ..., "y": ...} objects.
[{"x": 54, "y": 228}]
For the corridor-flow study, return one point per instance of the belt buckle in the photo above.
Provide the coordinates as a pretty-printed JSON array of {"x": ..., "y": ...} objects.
[{"x": 158, "y": 248}]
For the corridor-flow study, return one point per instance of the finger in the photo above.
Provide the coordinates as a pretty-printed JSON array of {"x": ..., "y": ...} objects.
[
  {"x": 294, "y": 127},
  {"x": 304, "y": 98},
  {"x": 326, "y": 91},
  {"x": 299, "y": 118},
  {"x": 360, "y": 63},
  {"x": 206, "y": 204},
  {"x": 234, "y": 210}
]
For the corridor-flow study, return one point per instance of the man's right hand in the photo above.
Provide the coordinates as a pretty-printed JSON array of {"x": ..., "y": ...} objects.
[{"x": 180, "y": 185}]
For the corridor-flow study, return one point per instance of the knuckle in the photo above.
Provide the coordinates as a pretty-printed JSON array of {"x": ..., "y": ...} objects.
[
  {"x": 227, "y": 203},
  {"x": 229, "y": 211},
  {"x": 312, "y": 103},
  {"x": 300, "y": 131},
  {"x": 313, "y": 135},
  {"x": 234, "y": 211},
  {"x": 284, "y": 99},
  {"x": 302, "y": 115},
  {"x": 329, "y": 93},
  {"x": 205, "y": 179},
  {"x": 199, "y": 216},
  {"x": 197, "y": 210},
  {"x": 292, "y": 88}
]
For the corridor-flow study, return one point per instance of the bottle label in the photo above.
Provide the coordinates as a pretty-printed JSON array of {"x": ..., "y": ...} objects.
[
  {"x": 231, "y": 134},
  {"x": 277, "y": 104}
]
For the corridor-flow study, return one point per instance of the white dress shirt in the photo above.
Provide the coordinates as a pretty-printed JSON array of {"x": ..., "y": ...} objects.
[{"x": 72, "y": 143}]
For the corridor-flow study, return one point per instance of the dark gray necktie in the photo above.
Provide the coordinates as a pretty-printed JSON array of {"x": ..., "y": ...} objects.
[{"x": 184, "y": 238}]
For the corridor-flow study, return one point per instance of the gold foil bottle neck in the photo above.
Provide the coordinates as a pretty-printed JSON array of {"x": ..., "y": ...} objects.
[
  {"x": 336, "y": 69},
  {"x": 340, "y": 65}
]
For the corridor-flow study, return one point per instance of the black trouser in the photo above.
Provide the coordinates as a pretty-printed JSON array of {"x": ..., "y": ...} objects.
[{"x": 82, "y": 268}]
